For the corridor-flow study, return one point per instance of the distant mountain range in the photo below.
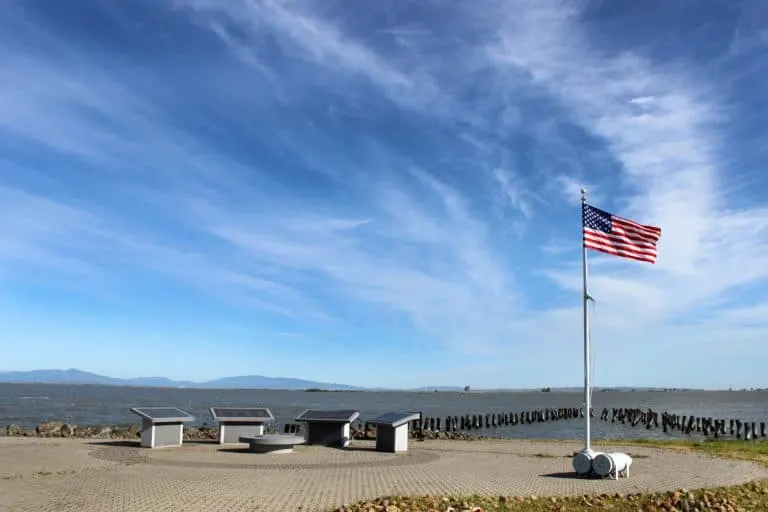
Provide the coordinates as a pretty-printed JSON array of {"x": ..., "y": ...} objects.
[{"x": 74, "y": 376}]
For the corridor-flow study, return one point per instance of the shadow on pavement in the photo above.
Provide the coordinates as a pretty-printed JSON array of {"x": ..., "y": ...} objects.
[
  {"x": 117, "y": 442},
  {"x": 570, "y": 474}
]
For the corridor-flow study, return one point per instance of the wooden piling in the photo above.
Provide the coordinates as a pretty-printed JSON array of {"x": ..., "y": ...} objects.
[{"x": 706, "y": 425}]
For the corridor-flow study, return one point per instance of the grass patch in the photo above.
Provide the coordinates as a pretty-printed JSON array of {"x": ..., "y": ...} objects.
[
  {"x": 747, "y": 497},
  {"x": 755, "y": 451}
]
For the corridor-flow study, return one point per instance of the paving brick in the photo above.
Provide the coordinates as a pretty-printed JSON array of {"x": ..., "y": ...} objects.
[{"x": 78, "y": 475}]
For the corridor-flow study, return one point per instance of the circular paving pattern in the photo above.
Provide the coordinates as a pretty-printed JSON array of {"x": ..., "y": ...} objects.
[
  {"x": 55, "y": 475},
  {"x": 215, "y": 456}
]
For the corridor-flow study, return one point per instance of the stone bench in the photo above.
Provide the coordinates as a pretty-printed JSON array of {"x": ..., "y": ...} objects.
[{"x": 272, "y": 443}]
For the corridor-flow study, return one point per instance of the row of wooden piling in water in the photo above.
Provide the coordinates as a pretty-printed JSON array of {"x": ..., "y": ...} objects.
[
  {"x": 634, "y": 417},
  {"x": 706, "y": 425},
  {"x": 469, "y": 422}
]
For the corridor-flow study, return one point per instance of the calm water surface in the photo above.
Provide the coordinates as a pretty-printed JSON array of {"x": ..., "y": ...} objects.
[{"x": 29, "y": 404}]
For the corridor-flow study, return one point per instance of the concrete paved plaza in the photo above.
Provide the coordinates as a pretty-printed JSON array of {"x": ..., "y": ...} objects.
[{"x": 88, "y": 475}]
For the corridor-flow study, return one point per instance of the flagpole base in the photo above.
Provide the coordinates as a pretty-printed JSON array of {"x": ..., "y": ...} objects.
[{"x": 582, "y": 461}]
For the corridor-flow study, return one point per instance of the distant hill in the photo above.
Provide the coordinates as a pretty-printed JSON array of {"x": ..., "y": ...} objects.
[
  {"x": 259, "y": 381},
  {"x": 439, "y": 388},
  {"x": 73, "y": 376}
]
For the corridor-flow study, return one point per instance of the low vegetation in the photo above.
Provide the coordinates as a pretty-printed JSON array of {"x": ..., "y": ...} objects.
[
  {"x": 748, "y": 497},
  {"x": 756, "y": 451}
]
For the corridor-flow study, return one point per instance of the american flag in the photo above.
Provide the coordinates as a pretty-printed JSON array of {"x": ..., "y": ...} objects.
[{"x": 618, "y": 236}]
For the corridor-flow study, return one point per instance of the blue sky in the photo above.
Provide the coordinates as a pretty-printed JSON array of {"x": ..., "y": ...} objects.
[{"x": 383, "y": 193}]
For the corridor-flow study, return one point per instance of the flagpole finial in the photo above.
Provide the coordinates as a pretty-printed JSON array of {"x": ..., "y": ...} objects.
[{"x": 583, "y": 195}]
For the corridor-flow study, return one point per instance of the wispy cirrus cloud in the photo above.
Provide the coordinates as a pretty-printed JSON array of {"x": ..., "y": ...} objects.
[
  {"x": 664, "y": 128},
  {"x": 344, "y": 176},
  {"x": 311, "y": 40},
  {"x": 410, "y": 259},
  {"x": 355, "y": 253}
]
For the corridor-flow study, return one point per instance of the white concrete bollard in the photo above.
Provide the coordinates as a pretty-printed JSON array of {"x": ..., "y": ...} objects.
[
  {"x": 582, "y": 461},
  {"x": 612, "y": 464}
]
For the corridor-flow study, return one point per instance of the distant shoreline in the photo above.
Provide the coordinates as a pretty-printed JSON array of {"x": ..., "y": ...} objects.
[
  {"x": 76, "y": 377},
  {"x": 621, "y": 389}
]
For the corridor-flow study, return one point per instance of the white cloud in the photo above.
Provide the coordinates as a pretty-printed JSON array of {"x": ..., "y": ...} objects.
[
  {"x": 43, "y": 232},
  {"x": 319, "y": 42},
  {"x": 669, "y": 151},
  {"x": 756, "y": 315},
  {"x": 436, "y": 269},
  {"x": 512, "y": 192},
  {"x": 571, "y": 188},
  {"x": 408, "y": 240}
]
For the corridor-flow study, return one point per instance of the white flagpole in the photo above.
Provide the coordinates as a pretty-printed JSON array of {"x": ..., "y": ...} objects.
[
  {"x": 582, "y": 461},
  {"x": 585, "y": 299}
]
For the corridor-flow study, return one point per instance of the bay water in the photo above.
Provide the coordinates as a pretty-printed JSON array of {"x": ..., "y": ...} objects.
[{"x": 29, "y": 404}]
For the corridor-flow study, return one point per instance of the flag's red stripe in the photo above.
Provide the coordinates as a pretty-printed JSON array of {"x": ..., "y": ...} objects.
[
  {"x": 612, "y": 251},
  {"x": 600, "y": 238},
  {"x": 627, "y": 239},
  {"x": 652, "y": 231},
  {"x": 632, "y": 229},
  {"x": 619, "y": 251},
  {"x": 605, "y": 243},
  {"x": 640, "y": 237}
]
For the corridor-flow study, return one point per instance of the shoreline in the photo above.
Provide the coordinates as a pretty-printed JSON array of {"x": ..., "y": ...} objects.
[
  {"x": 63, "y": 430},
  {"x": 422, "y": 389},
  {"x": 354, "y": 390}
]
